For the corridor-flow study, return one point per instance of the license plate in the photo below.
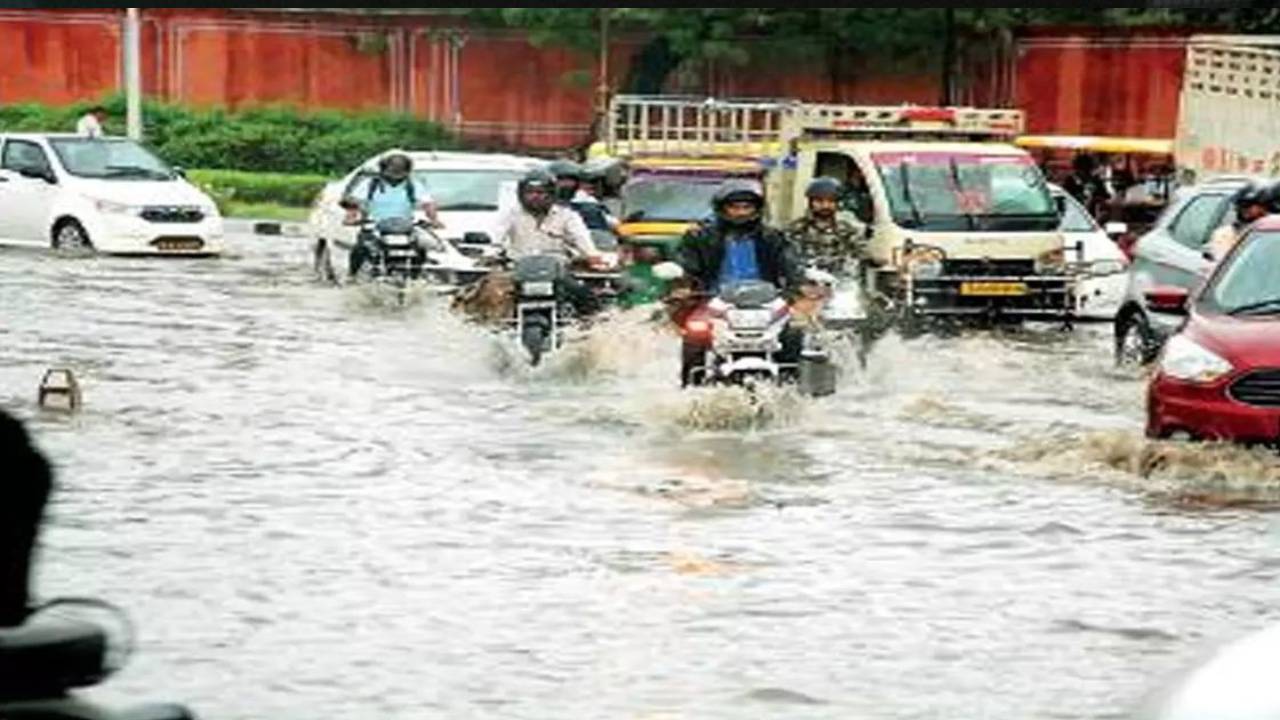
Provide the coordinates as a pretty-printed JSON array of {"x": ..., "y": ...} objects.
[
  {"x": 750, "y": 319},
  {"x": 538, "y": 289},
  {"x": 401, "y": 253},
  {"x": 994, "y": 289},
  {"x": 179, "y": 245}
]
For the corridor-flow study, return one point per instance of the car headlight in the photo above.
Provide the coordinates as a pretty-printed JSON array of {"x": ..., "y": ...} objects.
[
  {"x": 925, "y": 263},
  {"x": 114, "y": 208},
  {"x": 1186, "y": 360},
  {"x": 1097, "y": 268},
  {"x": 1052, "y": 262}
]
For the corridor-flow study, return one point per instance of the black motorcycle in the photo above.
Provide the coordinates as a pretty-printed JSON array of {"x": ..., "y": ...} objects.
[
  {"x": 393, "y": 250},
  {"x": 541, "y": 310},
  {"x": 54, "y": 653}
]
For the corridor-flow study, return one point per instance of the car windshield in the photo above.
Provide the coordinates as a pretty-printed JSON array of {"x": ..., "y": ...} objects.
[
  {"x": 476, "y": 190},
  {"x": 1250, "y": 283},
  {"x": 1077, "y": 220},
  {"x": 668, "y": 199},
  {"x": 965, "y": 191},
  {"x": 110, "y": 159}
]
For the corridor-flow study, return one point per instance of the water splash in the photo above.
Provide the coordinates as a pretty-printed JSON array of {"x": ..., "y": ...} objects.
[{"x": 1212, "y": 474}]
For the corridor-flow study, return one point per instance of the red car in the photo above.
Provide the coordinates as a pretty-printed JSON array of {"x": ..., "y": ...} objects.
[{"x": 1219, "y": 377}]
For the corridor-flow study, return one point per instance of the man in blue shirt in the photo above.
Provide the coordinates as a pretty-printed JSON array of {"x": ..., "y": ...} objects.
[
  {"x": 393, "y": 193},
  {"x": 738, "y": 247}
]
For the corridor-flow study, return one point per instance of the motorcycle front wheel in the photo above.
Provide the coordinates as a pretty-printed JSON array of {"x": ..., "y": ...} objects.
[{"x": 534, "y": 339}]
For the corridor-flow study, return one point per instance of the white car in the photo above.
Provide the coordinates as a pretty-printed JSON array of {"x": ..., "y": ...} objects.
[
  {"x": 470, "y": 189},
  {"x": 110, "y": 195},
  {"x": 1102, "y": 268}
]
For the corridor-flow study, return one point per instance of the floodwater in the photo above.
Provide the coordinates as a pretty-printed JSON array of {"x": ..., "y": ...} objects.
[{"x": 316, "y": 504}]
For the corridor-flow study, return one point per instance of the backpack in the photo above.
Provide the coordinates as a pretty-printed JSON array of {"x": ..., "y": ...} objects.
[{"x": 378, "y": 184}]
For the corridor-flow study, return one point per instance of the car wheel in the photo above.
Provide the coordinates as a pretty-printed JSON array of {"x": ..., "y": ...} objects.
[
  {"x": 1136, "y": 344},
  {"x": 70, "y": 236}
]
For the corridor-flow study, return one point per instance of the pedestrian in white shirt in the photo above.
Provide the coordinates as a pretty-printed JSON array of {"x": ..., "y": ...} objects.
[{"x": 90, "y": 125}]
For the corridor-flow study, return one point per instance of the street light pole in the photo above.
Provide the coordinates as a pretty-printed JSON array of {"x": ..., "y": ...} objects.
[{"x": 133, "y": 72}]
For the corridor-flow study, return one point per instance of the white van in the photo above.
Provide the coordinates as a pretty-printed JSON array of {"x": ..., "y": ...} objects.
[{"x": 110, "y": 195}]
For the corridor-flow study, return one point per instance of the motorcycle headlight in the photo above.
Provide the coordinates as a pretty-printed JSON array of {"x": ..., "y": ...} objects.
[
  {"x": 1186, "y": 360},
  {"x": 114, "y": 208}
]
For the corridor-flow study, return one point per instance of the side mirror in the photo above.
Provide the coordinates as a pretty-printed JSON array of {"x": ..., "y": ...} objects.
[
  {"x": 180, "y": 171},
  {"x": 668, "y": 271},
  {"x": 45, "y": 174},
  {"x": 1168, "y": 300},
  {"x": 1117, "y": 229}
]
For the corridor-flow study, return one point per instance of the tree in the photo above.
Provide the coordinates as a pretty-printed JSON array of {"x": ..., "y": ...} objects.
[{"x": 683, "y": 37}]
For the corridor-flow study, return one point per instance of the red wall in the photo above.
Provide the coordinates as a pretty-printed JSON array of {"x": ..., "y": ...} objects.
[
  {"x": 1086, "y": 84},
  {"x": 1068, "y": 82}
]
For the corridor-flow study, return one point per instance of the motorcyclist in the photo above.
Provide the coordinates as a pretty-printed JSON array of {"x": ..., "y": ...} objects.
[
  {"x": 821, "y": 236},
  {"x": 392, "y": 193},
  {"x": 1252, "y": 203},
  {"x": 733, "y": 248},
  {"x": 571, "y": 180},
  {"x": 541, "y": 226}
]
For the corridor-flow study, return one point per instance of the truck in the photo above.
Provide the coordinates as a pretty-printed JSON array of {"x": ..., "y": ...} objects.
[
  {"x": 960, "y": 222},
  {"x": 1229, "y": 109}
]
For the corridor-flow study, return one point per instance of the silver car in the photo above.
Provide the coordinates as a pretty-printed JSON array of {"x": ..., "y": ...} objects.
[{"x": 1172, "y": 254}]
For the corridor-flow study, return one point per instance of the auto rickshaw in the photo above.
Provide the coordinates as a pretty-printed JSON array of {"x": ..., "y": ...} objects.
[
  {"x": 1146, "y": 166},
  {"x": 663, "y": 199}
]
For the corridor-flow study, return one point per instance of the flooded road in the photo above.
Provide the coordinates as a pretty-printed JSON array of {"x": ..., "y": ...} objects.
[{"x": 317, "y": 506}]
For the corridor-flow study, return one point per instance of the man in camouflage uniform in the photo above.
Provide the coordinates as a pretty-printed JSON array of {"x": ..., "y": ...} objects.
[{"x": 822, "y": 237}]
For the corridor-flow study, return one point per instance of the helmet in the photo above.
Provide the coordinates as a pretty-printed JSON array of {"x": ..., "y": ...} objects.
[
  {"x": 395, "y": 165},
  {"x": 735, "y": 191},
  {"x": 825, "y": 187},
  {"x": 537, "y": 180},
  {"x": 566, "y": 170},
  {"x": 1255, "y": 193}
]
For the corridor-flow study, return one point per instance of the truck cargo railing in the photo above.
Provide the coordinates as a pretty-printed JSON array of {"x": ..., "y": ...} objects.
[
  {"x": 1234, "y": 66},
  {"x": 707, "y": 127}
]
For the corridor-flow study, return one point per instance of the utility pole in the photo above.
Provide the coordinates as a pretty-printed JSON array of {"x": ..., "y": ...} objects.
[
  {"x": 133, "y": 72},
  {"x": 602, "y": 92}
]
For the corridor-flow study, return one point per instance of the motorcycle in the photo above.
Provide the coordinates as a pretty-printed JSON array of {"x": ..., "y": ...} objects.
[
  {"x": 844, "y": 308},
  {"x": 45, "y": 659},
  {"x": 531, "y": 298},
  {"x": 541, "y": 313},
  {"x": 739, "y": 338}
]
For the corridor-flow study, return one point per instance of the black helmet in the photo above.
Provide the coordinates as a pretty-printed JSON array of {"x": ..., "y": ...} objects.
[
  {"x": 825, "y": 187},
  {"x": 735, "y": 191},
  {"x": 738, "y": 191},
  {"x": 566, "y": 170},
  {"x": 1255, "y": 193},
  {"x": 395, "y": 165},
  {"x": 540, "y": 180}
]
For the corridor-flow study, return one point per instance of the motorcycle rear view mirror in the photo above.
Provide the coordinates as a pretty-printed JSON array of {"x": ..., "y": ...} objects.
[{"x": 668, "y": 271}]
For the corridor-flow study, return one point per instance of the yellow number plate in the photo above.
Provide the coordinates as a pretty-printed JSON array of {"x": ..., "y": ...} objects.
[{"x": 994, "y": 289}]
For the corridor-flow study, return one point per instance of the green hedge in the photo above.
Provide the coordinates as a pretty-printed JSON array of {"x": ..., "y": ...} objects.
[
  {"x": 227, "y": 186},
  {"x": 272, "y": 139}
]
